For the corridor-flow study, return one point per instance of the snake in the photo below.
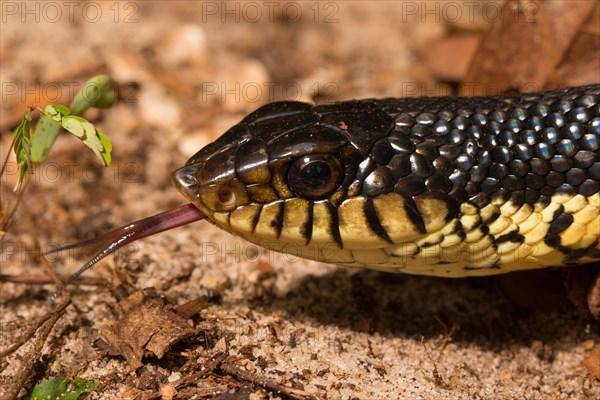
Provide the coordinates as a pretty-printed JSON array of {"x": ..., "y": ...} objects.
[{"x": 439, "y": 186}]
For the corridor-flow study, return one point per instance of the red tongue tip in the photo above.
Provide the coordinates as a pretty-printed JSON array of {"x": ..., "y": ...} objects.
[{"x": 131, "y": 232}]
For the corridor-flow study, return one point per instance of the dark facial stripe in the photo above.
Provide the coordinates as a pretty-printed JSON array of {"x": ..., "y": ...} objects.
[
  {"x": 452, "y": 206},
  {"x": 308, "y": 225},
  {"x": 277, "y": 223},
  {"x": 256, "y": 218},
  {"x": 335, "y": 225},
  {"x": 373, "y": 220},
  {"x": 413, "y": 213}
]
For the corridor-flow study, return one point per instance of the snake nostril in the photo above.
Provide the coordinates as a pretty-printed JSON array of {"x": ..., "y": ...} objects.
[{"x": 224, "y": 197}]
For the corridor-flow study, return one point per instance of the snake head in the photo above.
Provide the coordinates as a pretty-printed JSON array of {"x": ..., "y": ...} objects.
[{"x": 280, "y": 173}]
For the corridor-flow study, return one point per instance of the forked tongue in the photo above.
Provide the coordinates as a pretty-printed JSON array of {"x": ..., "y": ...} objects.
[{"x": 114, "y": 240}]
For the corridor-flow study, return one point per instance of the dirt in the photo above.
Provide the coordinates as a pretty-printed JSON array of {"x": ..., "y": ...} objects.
[{"x": 260, "y": 324}]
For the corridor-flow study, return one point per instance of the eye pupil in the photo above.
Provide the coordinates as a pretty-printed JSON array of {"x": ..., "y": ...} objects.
[{"x": 316, "y": 174}]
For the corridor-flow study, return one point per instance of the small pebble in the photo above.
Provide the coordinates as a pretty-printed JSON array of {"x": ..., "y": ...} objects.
[{"x": 175, "y": 376}]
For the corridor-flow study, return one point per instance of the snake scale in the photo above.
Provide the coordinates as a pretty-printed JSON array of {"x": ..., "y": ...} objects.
[{"x": 440, "y": 186}]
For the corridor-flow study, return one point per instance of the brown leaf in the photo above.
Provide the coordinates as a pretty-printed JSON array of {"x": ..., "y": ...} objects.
[
  {"x": 507, "y": 61},
  {"x": 131, "y": 393},
  {"x": 167, "y": 391},
  {"x": 449, "y": 58},
  {"x": 220, "y": 346},
  {"x": 192, "y": 307},
  {"x": 581, "y": 66},
  {"x": 146, "y": 322},
  {"x": 106, "y": 347},
  {"x": 592, "y": 364}
]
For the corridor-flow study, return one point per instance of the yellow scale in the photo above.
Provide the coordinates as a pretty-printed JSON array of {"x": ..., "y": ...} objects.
[{"x": 439, "y": 252}]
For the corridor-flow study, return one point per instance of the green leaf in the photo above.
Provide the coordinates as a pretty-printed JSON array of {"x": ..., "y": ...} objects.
[
  {"x": 56, "y": 112},
  {"x": 62, "y": 389},
  {"x": 63, "y": 110},
  {"x": 45, "y": 134},
  {"x": 98, "y": 92},
  {"x": 85, "y": 131},
  {"x": 79, "y": 127},
  {"x": 51, "y": 110},
  {"x": 94, "y": 143},
  {"x": 107, "y": 146},
  {"x": 90, "y": 133},
  {"x": 22, "y": 148},
  {"x": 53, "y": 113},
  {"x": 73, "y": 125},
  {"x": 20, "y": 134}
]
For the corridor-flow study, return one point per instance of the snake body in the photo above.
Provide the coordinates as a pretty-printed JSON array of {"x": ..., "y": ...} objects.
[{"x": 442, "y": 186}]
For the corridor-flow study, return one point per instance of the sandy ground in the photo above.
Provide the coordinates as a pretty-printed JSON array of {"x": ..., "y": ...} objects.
[{"x": 200, "y": 67}]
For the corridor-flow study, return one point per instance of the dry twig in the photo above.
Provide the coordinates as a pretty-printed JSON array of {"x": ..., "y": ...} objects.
[{"x": 44, "y": 324}]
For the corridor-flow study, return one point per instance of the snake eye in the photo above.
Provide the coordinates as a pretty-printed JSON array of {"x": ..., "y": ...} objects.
[{"x": 315, "y": 176}]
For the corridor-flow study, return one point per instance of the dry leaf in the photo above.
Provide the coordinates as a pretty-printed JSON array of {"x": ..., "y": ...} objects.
[
  {"x": 167, "y": 391},
  {"x": 505, "y": 61},
  {"x": 449, "y": 58},
  {"x": 192, "y": 307},
  {"x": 147, "y": 322},
  {"x": 592, "y": 364}
]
